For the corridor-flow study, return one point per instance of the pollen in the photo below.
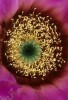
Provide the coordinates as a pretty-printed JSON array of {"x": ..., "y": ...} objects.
[{"x": 33, "y": 46}]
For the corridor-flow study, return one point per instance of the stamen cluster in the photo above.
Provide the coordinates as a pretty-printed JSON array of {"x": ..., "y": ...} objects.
[{"x": 44, "y": 35}]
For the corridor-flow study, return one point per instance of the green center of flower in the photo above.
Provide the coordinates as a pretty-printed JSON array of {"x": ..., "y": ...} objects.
[{"x": 30, "y": 51}]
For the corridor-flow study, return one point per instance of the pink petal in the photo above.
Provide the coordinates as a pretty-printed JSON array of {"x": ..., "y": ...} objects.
[
  {"x": 51, "y": 92},
  {"x": 62, "y": 81},
  {"x": 7, "y": 89},
  {"x": 25, "y": 5},
  {"x": 25, "y": 93},
  {"x": 44, "y": 5},
  {"x": 5, "y": 75},
  {"x": 8, "y": 9}
]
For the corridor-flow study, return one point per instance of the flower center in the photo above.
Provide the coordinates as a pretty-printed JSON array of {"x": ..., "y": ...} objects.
[
  {"x": 30, "y": 51},
  {"x": 32, "y": 47}
]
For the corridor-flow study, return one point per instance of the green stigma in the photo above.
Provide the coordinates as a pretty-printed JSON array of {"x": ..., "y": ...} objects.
[{"x": 30, "y": 51}]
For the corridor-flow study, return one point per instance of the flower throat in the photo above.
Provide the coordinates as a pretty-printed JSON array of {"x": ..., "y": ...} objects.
[{"x": 32, "y": 47}]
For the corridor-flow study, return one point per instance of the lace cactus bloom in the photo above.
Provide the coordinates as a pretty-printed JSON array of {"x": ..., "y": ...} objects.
[{"x": 33, "y": 50}]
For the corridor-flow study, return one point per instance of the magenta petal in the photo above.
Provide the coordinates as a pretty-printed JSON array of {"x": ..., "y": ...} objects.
[
  {"x": 62, "y": 82},
  {"x": 25, "y": 93},
  {"x": 5, "y": 75},
  {"x": 65, "y": 18},
  {"x": 7, "y": 89},
  {"x": 51, "y": 92},
  {"x": 44, "y": 5},
  {"x": 25, "y": 4},
  {"x": 8, "y": 9}
]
